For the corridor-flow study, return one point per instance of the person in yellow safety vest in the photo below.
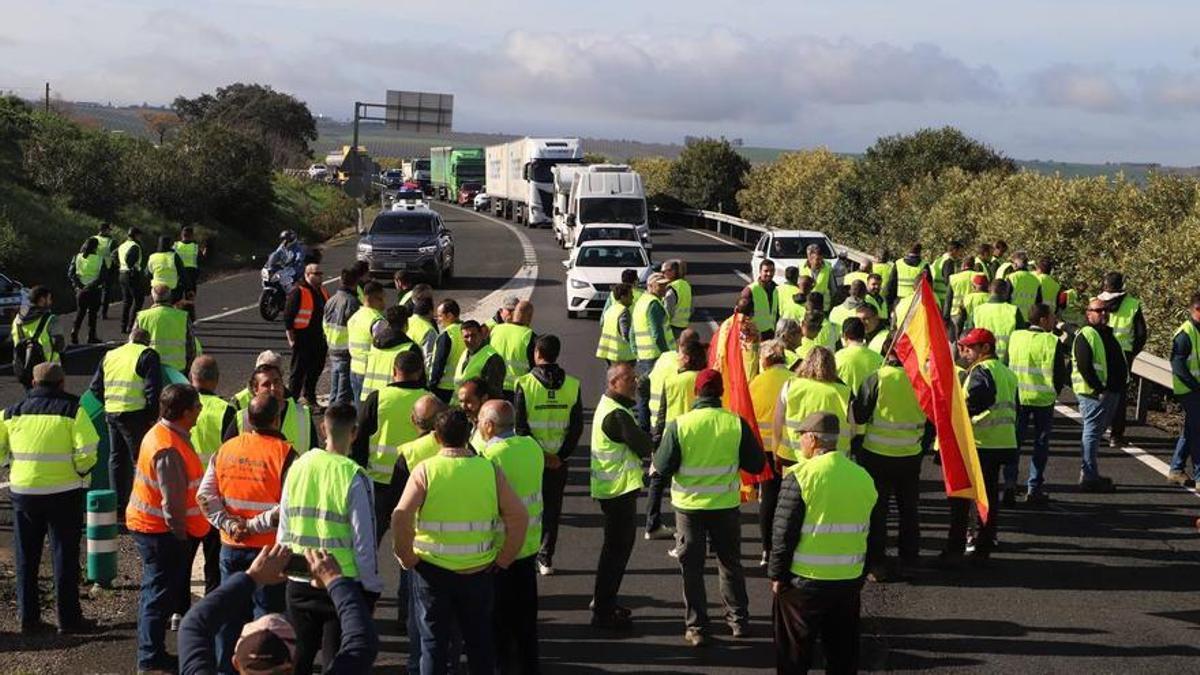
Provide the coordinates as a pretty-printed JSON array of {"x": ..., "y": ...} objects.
[
  {"x": 302, "y": 313},
  {"x": 959, "y": 286},
  {"x": 630, "y": 278},
  {"x": 999, "y": 254},
  {"x": 362, "y": 276},
  {"x": 521, "y": 460},
  {"x": 513, "y": 341},
  {"x": 701, "y": 453},
  {"x": 131, "y": 263},
  {"x": 1026, "y": 287},
  {"x": 999, "y": 316},
  {"x": 888, "y": 443},
  {"x": 615, "y": 342},
  {"x": 388, "y": 341},
  {"x": 549, "y": 408},
  {"x": 742, "y": 321},
  {"x": 941, "y": 269},
  {"x": 267, "y": 357},
  {"x": 909, "y": 270},
  {"x": 166, "y": 268},
  {"x": 1128, "y": 326},
  {"x": 189, "y": 251},
  {"x": 985, "y": 263},
  {"x": 479, "y": 361},
  {"x": 874, "y": 295},
  {"x": 338, "y": 310},
  {"x": 618, "y": 446},
  {"x": 1185, "y": 384},
  {"x": 295, "y": 422},
  {"x": 790, "y": 336},
  {"x": 856, "y": 296},
  {"x": 128, "y": 382},
  {"x": 86, "y": 273},
  {"x": 791, "y": 297},
  {"x": 216, "y": 414},
  {"x": 326, "y": 504},
  {"x": 457, "y": 572},
  {"x": 651, "y": 337},
  {"x": 106, "y": 249},
  {"x": 447, "y": 349},
  {"x": 816, "y": 329},
  {"x": 764, "y": 394},
  {"x": 665, "y": 365},
  {"x": 35, "y": 321},
  {"x": 470, "y": 396},
  {"x": 1099, "y": 375},
  {"x": 405, "y": 282},
  {"x": 977, "y": 296},
  {"x": 991, "y": 392},
  {"x": 49, "y": 444},
  {"x": 170, "y": 330},
  {"x": 360, "y": 328},
  {"x": 855, "y": 360},
  {"x": 509, "y": 303},
  {"x": 1074, "y": 302},
  {"x": 676, "y": 397},
  {"x": 820, "y": 270},
  {"x": 877, "y": 333},
  {"x": 816, "y": 388},
  {"x": 763, "y": 294},
  {"x": 1042, "y": 363},
  {"x": 884, "y": 265},
  {"x": 678, "y": 298},
  {"x": 422, "y": 327},
  {"x": 1050, "y": 287},
  {"x": 819, "y": 544}
]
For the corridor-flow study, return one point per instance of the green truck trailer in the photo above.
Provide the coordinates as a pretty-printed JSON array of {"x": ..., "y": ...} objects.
[{"x": 452, "y": 167}]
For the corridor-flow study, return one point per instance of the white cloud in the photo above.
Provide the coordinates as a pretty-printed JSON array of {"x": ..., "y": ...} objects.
[
  {"x": 1170, "y": 91},
  {"x": 1090, "y": 88}
]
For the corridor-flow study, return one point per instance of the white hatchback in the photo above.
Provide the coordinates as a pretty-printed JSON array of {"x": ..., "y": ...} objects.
[
  {"x": 786, "y": 248},
  {"x": 595, "y": 267}
]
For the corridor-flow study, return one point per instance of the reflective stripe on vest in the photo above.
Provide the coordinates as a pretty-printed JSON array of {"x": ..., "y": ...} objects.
[
  {"x": 707, "y": 478},
  {"x": 167, "y": 327},
  {"x": 996, "y": 427},
  {"x": 1001, "y": 319},
  {"x": 1193, "y": 360},
  {"x": 145, "y": 511},
  {"x": 359, "y": 337},
  {"x": 766, "y": 309},
  {"x": 394, "y": 427},
  {"x": 249, "y": 473},
  {"x": 50, "y": 453},
  {"x": 296, "y": 428},
  {"x": 611, "y": 346},
  {"x": 838, "y": 497},
  {"x": 645, "y": 348},
  {"x": 123, "y": 252},
  {"x": 1120, "y": 320},
  {"x": 471, "y": 365},
  {"x": 855, "y": 363},
  {"x": 898, "y": 423},
  {"x": 457, "y": 525},
  {"x": 906, "y": 277},
  {"x": 615, "y": 469},
  {"x": 940, "y": 281},
  {"x": 764, "y": 393},
  {"x": 522, "y": 460},
  {"x": 511, "y": 342},
  {"x": 124, "y": 389},
  {"x": 304, "y": 314},
  {"x": 88, "y": 268},
  {"x": 1099, "y": 361},
  {"x": 682, "y": 316},
  {"x": 162, "y": 269},
  {"x": 206, "y": 435},
  {"x": 457, "y": 347},
  {"x": 804, "y": 397},
  {"x": 381, "y": 366},
  {"x": 960, "y": 287},
  {"x": 1025, "y": 287},
  {"x": 548, "y": 411},
  {"x": 1031, "y": 359},
  {"x": 318, "y": 514}
]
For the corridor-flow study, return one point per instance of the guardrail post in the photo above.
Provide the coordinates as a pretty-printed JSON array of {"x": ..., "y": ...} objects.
[{"x": 1142, "y": 402}]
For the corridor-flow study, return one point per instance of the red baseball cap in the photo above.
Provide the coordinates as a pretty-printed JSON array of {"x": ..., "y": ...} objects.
[
  {"x": 977, "y": 336},
  {"x": 708, "y": 376}
]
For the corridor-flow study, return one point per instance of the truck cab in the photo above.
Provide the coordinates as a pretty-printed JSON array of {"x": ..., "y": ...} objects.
[{"x": 604, "y": 194}]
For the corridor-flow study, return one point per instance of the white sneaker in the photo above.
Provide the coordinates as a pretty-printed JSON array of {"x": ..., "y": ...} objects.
[
  {"x": 176, "y": 619},
  {"x": 673, "y": 552},
  {"x": 545, "y": 570}
]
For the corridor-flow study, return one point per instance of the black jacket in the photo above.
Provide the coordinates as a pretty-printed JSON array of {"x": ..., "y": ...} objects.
[
  {"x": 292, "y": 307},
  {"x": 368, "y": 424},
  {"x": 1118, "y": 369},
  {"x": 622, "y": 428},
  {"x": 552, "y": 377}
]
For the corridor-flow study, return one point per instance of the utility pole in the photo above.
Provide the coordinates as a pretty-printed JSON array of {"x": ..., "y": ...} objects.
[{"x": 47, "y": 97}]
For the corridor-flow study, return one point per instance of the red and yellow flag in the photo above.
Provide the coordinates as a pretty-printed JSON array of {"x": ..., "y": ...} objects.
[
  {"x": 923, "y": 346},
  {"x": 728, "y": 359}
]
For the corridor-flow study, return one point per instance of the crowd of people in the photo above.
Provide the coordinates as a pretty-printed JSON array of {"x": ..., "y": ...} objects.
[{"x": 456, "y": 435}]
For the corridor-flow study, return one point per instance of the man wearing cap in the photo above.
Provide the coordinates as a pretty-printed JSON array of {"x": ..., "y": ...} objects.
[
  {"x": 991, "y": 391},
  {"x": 649, "y": 328},
  {"x": 819, "y": 543},
  {"x": 700, "y": 454},
  {"x": 1099, "y": 375},
  {"x": 507, "y": 305},
  {"x": 1128, "y": 326},
  {"x": 268, "y": 644},
  {"x": 49, "y": 443}
]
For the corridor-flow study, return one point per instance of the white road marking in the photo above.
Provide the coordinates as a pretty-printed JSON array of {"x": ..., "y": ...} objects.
[
  {"x": 745, "y": 277},
  {"x": 521, "y": 284},
  {"x": 714, "y": 237}
]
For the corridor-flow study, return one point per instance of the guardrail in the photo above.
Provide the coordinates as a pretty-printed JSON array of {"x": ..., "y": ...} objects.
[{"x": 1146, "y": 367}]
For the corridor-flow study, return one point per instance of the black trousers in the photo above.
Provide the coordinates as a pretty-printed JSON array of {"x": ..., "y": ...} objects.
[
  {"x": 990, "y": 461},
  {"x": 768, "y": 498},
  {"x": 654, "y": 500},
  {"x": 554, "y": 483},
  {"x": 125, "y": 431},
  {"x": 316, "y": 622},
  {"x": 620, "y": 531},
  {"x": 901, "y": 477},
  {"x": 61, "y": 516},
  {"x": 108, "y": 288},
  {"x": 829, "y": 611},
  {"x": 696, "y": 532},
  {"x": 1119, "y": 417},
  {"x": 88, "y": 301},
  {"x": 308, "y": 361},
  {"x": 514, "y": 621},
  {"x": 133, "y": 294}
]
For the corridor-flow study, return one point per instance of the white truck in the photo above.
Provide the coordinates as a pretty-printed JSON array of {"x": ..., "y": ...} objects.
[
  {"x": 520, "y": 183},
  {"x": 599, "y": 194}
]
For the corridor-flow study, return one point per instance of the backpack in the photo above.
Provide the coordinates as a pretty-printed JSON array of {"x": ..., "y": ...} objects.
[{"x": 28, "y": 353}]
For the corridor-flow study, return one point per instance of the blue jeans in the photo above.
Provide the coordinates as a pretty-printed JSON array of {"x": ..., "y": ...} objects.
[
  {"x": 1189, "y": 437},
  {"x": 1042, "y": 418},
  {"x": 443, "y": 599},
  {"x": 356, "y": 385},
  {"x": 165, "y": 577},
  {"x": 339, "y": 378},
  {"x": 1097, "y": 415},
  {"x": 61, "y": 516},
  {"x": 641, "y": 404},
  {"x": 266, "y": 599}
]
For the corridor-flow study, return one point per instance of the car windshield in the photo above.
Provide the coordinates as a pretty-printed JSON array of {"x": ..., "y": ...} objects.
[
  {"x": 408, "y": 195},
  {"x": 404, "y": 222},
  {"x": 393, "y": 173},
  {"x": 795, "y": 247},
  {"x": 540, "y": 169},
  {"x": 593, "y": 233},
  {"x": 612, "y": 211},
  {"x": 611, "y": 256},
  {"x": 421, "y": 165}
]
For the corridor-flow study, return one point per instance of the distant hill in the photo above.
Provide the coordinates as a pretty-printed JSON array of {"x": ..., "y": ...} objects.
[{"x": 383, "y": 142}]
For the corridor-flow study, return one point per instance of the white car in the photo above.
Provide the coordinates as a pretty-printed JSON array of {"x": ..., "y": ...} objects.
[
  {"x": 786, "y": 248},
  {"x": 481, "y": 201},
  {"x": 593, "y": 232},
  {"x": 318, "y": 172},
  {"x": 595, "y": 267}
]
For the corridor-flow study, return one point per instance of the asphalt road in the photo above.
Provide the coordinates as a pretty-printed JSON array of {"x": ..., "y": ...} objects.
[{"x": 1087, "y": 583}]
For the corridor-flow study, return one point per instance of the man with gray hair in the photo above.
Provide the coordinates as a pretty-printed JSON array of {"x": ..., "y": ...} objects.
[
  {"x": 503, "y": 315},
  {"x": 128, "y": 381},
  {"x": 649, "y": 329}
]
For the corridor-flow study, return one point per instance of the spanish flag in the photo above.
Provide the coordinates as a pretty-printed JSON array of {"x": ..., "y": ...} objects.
[
  {"x": 725, "y": 355},
  {"x": 922, "y": 345}
]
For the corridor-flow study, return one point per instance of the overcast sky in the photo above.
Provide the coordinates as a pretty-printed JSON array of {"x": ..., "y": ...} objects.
[{"x": 1072, "y": 80}]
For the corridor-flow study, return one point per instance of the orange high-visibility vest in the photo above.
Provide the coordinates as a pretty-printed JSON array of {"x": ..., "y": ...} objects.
[
  {"x": 146, "y": 510},
  {"x": 304, "y": 315},
  {"x": 249, "y": 473}
]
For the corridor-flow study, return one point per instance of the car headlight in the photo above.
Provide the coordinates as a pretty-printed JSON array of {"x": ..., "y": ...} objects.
[
  {"x": 364, "y": 247},
  {"x": 266, "y": 274},
  {"x": 575, "y": 283},
  {"x": 426, "y": 250}
]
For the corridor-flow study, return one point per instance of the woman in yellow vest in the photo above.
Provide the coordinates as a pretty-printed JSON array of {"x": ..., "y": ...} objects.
[
  {"x": 764, "y": 393},
  {"x": 86, "y": 274}
]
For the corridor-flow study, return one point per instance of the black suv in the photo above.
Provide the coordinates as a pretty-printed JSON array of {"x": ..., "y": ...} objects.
[{"x": 410, "y": 238}]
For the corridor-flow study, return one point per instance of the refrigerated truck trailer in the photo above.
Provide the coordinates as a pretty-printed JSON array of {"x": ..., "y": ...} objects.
[
  {"x": 520, "y": 184},
  {"x": 450, "y": 167}
]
